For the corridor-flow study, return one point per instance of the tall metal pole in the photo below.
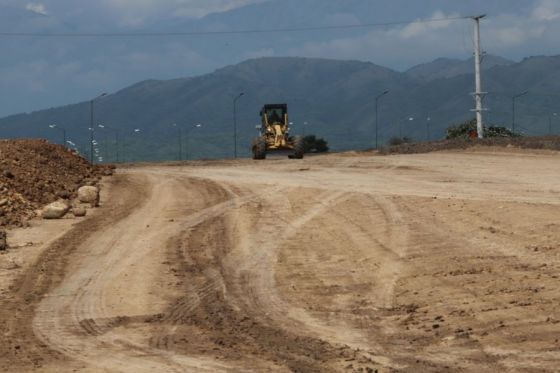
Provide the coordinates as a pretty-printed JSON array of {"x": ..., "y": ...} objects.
[
  {"x": 180, "y": 143},
  {"x": 57, "y": 127},
  {"x": 117, "y": 132},
  {"x": 377, "y": 98},
  {"x": 188, "y": 133},
  {"x": 513, "y": 98},
  {"x": 91, "y": 128},
  {"x": 106, "y": 149},
  {"x": 550, "y": 123},
  {"x": 235, "y": 123},
  {"x": 91, "y": 134},
  {"x": 478, "y": 80},
  {"x": 428, "y": 128}
]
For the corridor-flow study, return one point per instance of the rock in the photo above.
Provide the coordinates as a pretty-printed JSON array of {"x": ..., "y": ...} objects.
[
  {"x": 89, "y": 194},
  {"x": 3, "y": 241},
  {"x": 63, "y": 194},
  {"x": 79, "y": 211},
  {"x": 8, "y": 174},
  {"x": 3, "y": 201},
  {"x": 108, "y": 172},
  {"x": 55, "y": 210}
]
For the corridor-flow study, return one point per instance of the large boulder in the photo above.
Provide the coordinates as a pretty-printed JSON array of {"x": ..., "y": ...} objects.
[
  {"x": 55, "y": 210},
  {"x": 89, "y": 194},
  {"x": 79, "y": 211}
]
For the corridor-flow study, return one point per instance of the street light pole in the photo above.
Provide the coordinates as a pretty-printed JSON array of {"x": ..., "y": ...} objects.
[
  {"x": 377, "y": 98},
  {"x": 513, "y": 98},
  {"x": 550, "y": 123},
  {"x": 198, "y": 125},
  {"x": 126, "y": 147},
  {"x": 116, "y": 139},
  {"x": 235, "y": 123},
  {"x": 91, "y": 128},
  {"x": 428, "y": 128},
  {"x": 180, "y": 143},
  {"x": 54, "y": 126}
]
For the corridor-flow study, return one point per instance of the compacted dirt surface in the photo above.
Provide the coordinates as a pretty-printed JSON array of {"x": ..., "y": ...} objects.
[{"x": 435, "y": 262}]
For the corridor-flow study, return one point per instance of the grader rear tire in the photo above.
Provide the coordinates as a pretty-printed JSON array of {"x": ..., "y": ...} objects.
[
  {"x": 259, "y": 149},
  {"x": 299, "y": 148}
]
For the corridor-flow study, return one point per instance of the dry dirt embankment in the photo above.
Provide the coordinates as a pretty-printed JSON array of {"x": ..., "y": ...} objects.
[
  {"x": 34, "y": 173},
  {"x": 544, "y": 143},
  {"x": 337, "y": 263}
]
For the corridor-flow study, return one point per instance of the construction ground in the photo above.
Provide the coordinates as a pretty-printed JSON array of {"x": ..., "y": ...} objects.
[{"x": 446, "y": 261}]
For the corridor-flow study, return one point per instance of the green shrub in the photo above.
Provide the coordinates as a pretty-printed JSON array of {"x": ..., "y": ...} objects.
[
  {"x": 312, "y": 144},
  {"x": 468, "y": 129}
]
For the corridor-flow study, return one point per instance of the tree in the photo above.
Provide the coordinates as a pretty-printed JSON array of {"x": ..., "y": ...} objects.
[
  {"x": 468, "y": 130},
  {"x": 312, "y": 144}
]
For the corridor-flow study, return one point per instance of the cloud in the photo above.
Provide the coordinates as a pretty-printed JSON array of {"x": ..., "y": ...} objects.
[
  {"x": 134, "y": 12},
  {"x": 547, "y": 10},
  {"x": 397, "y": 47},
  {"x": 37, "y": 8},
  {"x": 509, "y": 34},
  {"x": 416, "y": 30},
  {"x": 201, "y": 8}
]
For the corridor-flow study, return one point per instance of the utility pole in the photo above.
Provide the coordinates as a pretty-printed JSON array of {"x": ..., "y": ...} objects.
[
  {"x": 550, "y": 123},
  {"x": 91, "y": 128},
  {"x": 180, "y": 143},
  {"x": 478, "y": 80},
  {"x": 377, "y": 98},
  {"x": 513, "y": 98},
  {"x": 235, "y": 123}
]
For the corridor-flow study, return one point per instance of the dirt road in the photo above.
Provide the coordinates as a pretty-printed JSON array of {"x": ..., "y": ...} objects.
[{"x": 434, "y": 262}]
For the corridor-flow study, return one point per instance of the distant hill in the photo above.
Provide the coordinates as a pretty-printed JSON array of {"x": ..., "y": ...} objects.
[
  {"x": 449, "y": 68},
  {"x": 335, "y": 98}
]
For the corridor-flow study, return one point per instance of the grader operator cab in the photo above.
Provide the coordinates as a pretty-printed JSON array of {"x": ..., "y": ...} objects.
[{"x": 274, "y": 133}]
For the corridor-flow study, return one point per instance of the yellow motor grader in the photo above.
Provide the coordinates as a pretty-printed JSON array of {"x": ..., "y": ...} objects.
[{"x": 274, "y": 134}]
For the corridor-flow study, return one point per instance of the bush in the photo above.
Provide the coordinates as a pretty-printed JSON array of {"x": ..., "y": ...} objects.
[
  {"x": 468, "y": 130},
  {"x": 312, "y": 144},
  {"x": 394, "y": 141}
]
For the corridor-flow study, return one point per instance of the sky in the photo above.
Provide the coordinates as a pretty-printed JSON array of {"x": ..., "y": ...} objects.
[{"x": 38, "y": 72}]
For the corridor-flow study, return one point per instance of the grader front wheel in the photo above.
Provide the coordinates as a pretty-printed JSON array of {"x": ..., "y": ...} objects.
[{"x": 259, "y": 148}]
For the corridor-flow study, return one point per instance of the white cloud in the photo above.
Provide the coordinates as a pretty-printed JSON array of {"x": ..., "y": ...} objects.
[
  {"x": 37, "y": 8},
  {"x": 134, "y": 12},
  {"x": 419, "y": 29},
  {"x": 547, "y": 10},
  {"x": 398, "y": 47},
  {"x": 201, "y": 8},
  {"x": 510, "y": 35}
]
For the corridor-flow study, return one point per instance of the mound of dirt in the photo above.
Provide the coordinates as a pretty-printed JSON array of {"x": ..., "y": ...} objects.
[
  {"x": 547, "y": 142},
  {"x": 34, "y": 173}
]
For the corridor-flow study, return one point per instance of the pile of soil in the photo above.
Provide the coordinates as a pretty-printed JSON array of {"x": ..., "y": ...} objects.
[
  {"x": 547, "y": 142},
  {"x": 34, "y": 173}
]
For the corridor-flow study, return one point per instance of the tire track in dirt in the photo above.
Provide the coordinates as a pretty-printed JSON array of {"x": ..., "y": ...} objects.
[
  {"x": 236, "y": 295},
  {"x": 70, "y": 326},
  {"x": 21, "y": 349},
  {"x": 466, "y": 301}
]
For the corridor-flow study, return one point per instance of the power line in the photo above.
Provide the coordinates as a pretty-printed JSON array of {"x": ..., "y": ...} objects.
[{"x": 249, "y": 31}]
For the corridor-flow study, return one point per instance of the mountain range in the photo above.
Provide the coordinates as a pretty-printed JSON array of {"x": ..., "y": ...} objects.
[{"x": 335, "y": 99}]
